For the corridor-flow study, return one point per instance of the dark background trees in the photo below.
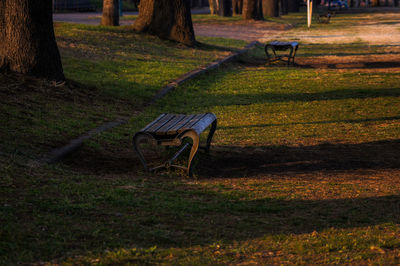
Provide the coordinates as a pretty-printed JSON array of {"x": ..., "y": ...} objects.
[
  {"x": 237, "y": 7},
  {"x": 221, "y": 7},
  {"x": 27, "y": 41}
]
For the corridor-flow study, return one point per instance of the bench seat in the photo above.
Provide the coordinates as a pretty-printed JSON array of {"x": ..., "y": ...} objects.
[
  {"x": 281, "y": 46},
  {"x": 171, "y": 130}
]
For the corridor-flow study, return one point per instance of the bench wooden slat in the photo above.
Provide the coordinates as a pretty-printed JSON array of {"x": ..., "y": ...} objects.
[
  {"x": 278, "y": 43},
  {"x": 180, "y": 124},
  {"x": 192, "y": 122},
  {"x": 165, "y": 119},
  {"x": 152, "y": 123},
  {"x": 165, "y": 128},
  {"x": 202, "y": 124}
]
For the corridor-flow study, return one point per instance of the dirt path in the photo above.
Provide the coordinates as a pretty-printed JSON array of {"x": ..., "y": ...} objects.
[{"x": 378, "y": 28}]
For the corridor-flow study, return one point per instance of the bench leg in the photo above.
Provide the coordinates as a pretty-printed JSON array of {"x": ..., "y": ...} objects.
[
  {"x": 137, "y": 139},
  {"x": 195, "y": 138},
  {"x": 294, "y": 54},
  {"x": 210, "y": 135},
  {"x": 290, "y": 56},
  {"x": 268, "y": 55}
]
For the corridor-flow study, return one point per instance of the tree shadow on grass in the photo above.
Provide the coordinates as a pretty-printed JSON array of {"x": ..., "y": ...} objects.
[
  {"x": 231, "y": 162},
  {"x": 211, "y": 100},
  {"x": 212, "y": 47},
  {"x": 351, "y": 65},
  {"x": 379, "y": 119},
  {"x": 144, "y": 210},
  {"x": 252, "y": 161}
]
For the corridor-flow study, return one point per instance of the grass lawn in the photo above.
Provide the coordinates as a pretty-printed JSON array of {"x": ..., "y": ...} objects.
[
  {"x": 304, "y": 166},
  {"x": 115, "y": 73}
]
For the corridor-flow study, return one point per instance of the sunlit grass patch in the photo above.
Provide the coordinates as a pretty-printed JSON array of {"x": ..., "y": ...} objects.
[
  {"x": 121, "y": 62},
  {"x": 342, "y": 246}
]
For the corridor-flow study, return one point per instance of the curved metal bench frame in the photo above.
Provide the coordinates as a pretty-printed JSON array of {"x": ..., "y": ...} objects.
[
  {"x": 176, "y": 139},
  {"x": 281, "y": 46}
]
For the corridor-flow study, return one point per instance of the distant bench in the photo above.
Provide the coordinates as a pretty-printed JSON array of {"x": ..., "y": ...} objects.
[
  {"x": 324, "y": 18},
  {"x": 171, "y": 130},
  {"x": 281, "y": 46}
]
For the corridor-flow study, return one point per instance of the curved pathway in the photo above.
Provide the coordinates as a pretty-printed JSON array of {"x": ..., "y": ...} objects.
[{"x": 379, "y": 28}]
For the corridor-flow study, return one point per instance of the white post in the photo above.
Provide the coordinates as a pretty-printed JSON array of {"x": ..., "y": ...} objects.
[{"x": 309, "y": 12}]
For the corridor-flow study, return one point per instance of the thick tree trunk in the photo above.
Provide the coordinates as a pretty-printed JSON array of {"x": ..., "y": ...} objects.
[
  {"x": 252, "y": 9},
  {"x": 294, "y": 5},
  {"x": 270, "y": 8},
  {"x": 110, "y": 15},
  {"x": 237, "y": 6},
  {"x": 167, "y": 19},
  {"x": 225, "y": 8},
  {"x": 27, "y": 41}
]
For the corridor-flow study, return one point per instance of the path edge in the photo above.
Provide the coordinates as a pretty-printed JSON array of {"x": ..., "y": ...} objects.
[{"x": 194, "y": 73}]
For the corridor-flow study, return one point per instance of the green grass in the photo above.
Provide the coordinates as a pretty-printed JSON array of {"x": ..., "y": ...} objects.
[
  {"x": 120, "y": 72},
  {"x": 303, "y": 167},
  {"x": 117, "y": 58}
]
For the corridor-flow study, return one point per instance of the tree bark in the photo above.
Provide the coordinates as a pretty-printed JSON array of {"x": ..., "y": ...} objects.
[
  {"x": 167, "y": 19},
  {"x": 237, "y": 6},
  {"x": 252, "y": 9},
  {"x": 225, "y": 8},
  {"x": 27, "y": 41},
  {"x": 110, "y": 15},
  {"x": 270, "y": 8},
  {"x": 214, "y": 7}
]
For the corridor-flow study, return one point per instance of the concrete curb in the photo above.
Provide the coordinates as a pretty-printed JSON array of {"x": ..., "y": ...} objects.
[{"x": 59, "y": 153}]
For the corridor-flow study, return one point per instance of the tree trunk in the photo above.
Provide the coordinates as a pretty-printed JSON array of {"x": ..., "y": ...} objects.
[
  {"x": 225, "y": 8},
  {"x": 283, "y": 7},
  {"x": 237, "y": 6},
  {"x": 270, "y": 8},
  {"x": 294, "y": 5},
  {"x": 167, "y": 19},
  {"x": 27, "y": 41},
  {"x": 214, "y": 7},
  {"x": 252, "y": 9},
  {"x": 110, "y": 13}
]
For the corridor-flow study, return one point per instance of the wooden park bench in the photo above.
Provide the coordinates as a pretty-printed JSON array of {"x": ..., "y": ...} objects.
[
  {"x": 171, "y": 130},
  {"x": 325, "y": 18},
  {"x": 281, "y": 46}
]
